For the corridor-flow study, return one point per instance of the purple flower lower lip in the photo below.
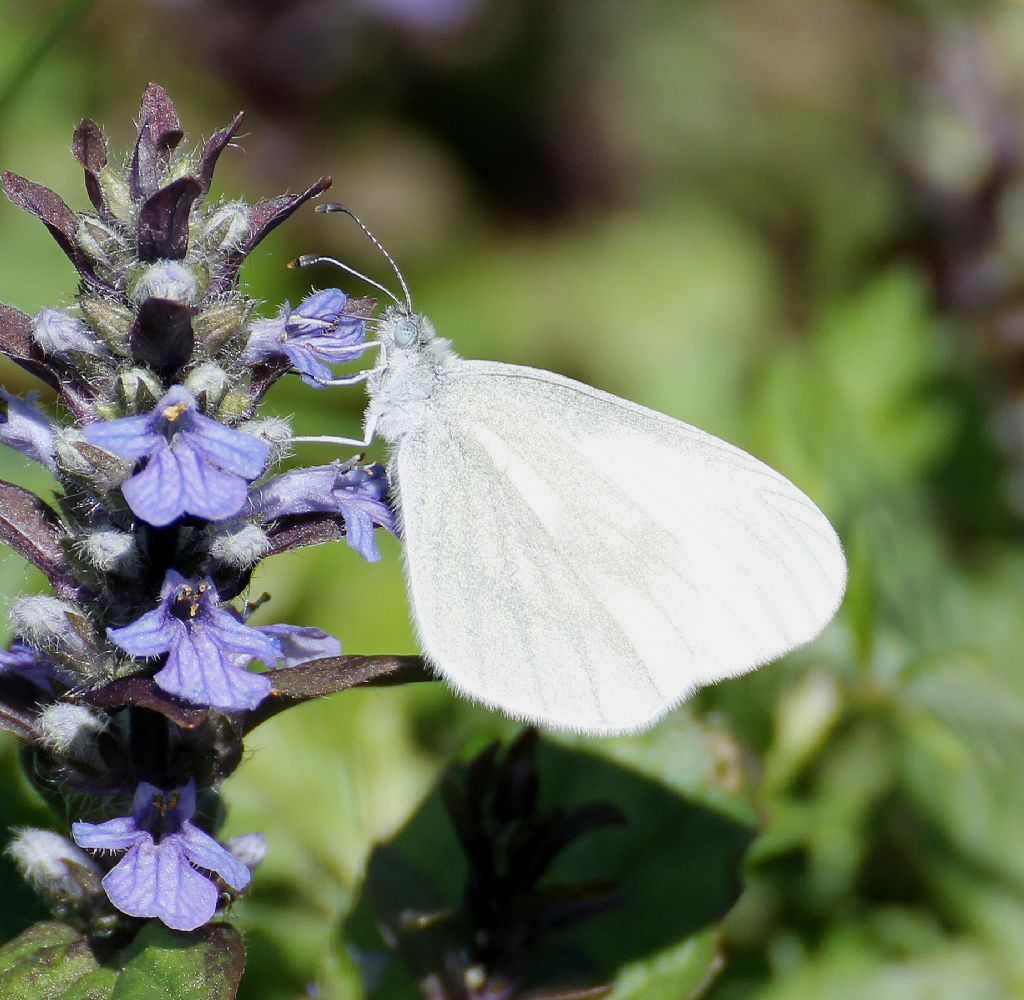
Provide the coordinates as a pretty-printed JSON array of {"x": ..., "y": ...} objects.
[
  {"x": 357, "y": 493},
  {"x": 204, "y": 643},
  {"x": 193, "y": 464},
  {"x": 160, "y": 875},
  {"x": 208, "y": 646},
  {"x": 300, "y": 643}
]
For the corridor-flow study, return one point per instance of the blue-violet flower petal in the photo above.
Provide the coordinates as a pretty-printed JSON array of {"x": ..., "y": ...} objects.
[
  {"x": 312, "y": 336},
  {"x": 205, "y": 645},
  {"x": 23, "y": 660},
  {"x": 25, "y": 428},
  {"x": 192, "y": 464},
  {"x": 158, "y": 875},
  {"x": 357, "y": 493},
  {"x": 299, "y": 643}
]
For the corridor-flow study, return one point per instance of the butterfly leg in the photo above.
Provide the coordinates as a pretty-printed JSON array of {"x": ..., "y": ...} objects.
[
  {"x": 347, "y": 379},
  {"x": 355, "y": 378},
  {"x": 368, "y": 435}
]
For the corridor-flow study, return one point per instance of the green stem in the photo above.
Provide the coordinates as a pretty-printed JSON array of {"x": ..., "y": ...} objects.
[{"x": 35, "y": 52}]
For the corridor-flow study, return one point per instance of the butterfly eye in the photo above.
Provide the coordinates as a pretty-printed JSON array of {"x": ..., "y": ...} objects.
[{"x": 406, "y": 334}]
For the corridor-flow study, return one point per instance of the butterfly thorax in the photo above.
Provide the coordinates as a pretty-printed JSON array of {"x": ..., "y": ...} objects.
[{"x": 411, "y": 361}]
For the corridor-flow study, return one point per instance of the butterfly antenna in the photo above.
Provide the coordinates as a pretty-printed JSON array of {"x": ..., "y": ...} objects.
[
  {"x": 309, "y": 259},
  {"x": 333, "y": 206}
]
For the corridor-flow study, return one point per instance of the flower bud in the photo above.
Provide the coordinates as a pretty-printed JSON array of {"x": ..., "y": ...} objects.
[
  {"x": 110, "y": 551},
  {"x": 60, "y": 872},
  {"x": 240, "y": 548},
  {"x": 25, "y": 428},
  {"x": 49, "y": 623},
  {"x": 210, "y": 381},
  {"x": 226, "y": 227},
  {"x": 70, "y": 730},
  {"x": 76, "y": 457},
  {"x": 249, "y": 848},
  {"x": 58, "y": 332},
  {"x": 275, "y": 431},
  {"x": 110, "y": 319},
  {"x": 219, "y": 322},
  {"x": 235, "y": 405},
  {"x": 65, "y": 448},
  {"x": 102, "y": 244},
  {"x": 180, "y": 166},
  {"x": 164, "y": 279},
  {"x": 139, "y": 390}
]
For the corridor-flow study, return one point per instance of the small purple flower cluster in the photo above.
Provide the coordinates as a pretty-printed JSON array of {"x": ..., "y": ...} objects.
[{"x": 132, "y": 682}]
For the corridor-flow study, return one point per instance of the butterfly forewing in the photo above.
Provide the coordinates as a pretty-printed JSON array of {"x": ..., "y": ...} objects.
[{"x": 585, "y": 562}]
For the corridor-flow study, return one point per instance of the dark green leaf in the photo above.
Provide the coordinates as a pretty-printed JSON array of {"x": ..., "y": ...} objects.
[
  {"x": 53, "y": 961},
  {"x": 162, "y": 965},
  {"x": 678, "y": 858}
]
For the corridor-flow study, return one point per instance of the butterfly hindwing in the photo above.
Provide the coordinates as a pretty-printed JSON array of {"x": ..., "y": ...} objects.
[{"x": 585, "y": 562}]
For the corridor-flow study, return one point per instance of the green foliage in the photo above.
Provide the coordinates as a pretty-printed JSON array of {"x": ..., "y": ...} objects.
[
  {"x": 51, "y": 961},
  {"x": 686, "y": 798}
]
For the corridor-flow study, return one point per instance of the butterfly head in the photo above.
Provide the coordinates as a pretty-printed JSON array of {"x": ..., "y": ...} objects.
[{"x": 402, "y": 330}]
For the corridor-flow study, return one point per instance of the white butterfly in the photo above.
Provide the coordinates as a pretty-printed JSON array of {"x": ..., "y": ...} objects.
[{"x": 576, "y": 559}]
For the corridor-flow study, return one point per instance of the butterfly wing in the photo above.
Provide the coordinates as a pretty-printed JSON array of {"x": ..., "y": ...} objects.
[{"x": 584, "y": 562}]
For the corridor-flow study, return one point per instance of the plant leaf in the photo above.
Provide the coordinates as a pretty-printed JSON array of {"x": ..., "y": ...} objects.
[
  {"x": 50, "y": 209},
  {"x": 53, "y": 961},
  {"x": 159, "y": 132},
  {"x": 679, "y": 857},
  {"x": 33, "y": 530},
  {"x": 90, "y": 149},
  {"x": 331, "y": 675},
  {"x": 142, "y": 692},
  {"x": 17, "y": 343},
  {"x": 162, "y": 335},
  {"x": 163, "y": 220},
  {"x": 162, "y": 965},
  {"x": 215, "y": 145}
]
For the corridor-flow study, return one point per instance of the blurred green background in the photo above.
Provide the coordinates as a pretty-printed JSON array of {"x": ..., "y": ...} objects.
[{"x": 797, "y": 225}]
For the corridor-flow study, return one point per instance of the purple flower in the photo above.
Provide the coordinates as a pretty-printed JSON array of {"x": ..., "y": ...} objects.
[
  {"x": 357, "y": 493},
  {"x": 22, "y": 660},
  {"x": 311, "y": 337},
  {"x": 192, "y": 464},
  {"x": 24, "y": 428},
  {"x": 204, "y": 643},
  {"x": 208, "y": 646},
  {"x": 158, "y": 876},
  {"x": 297, "y": 644}
]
